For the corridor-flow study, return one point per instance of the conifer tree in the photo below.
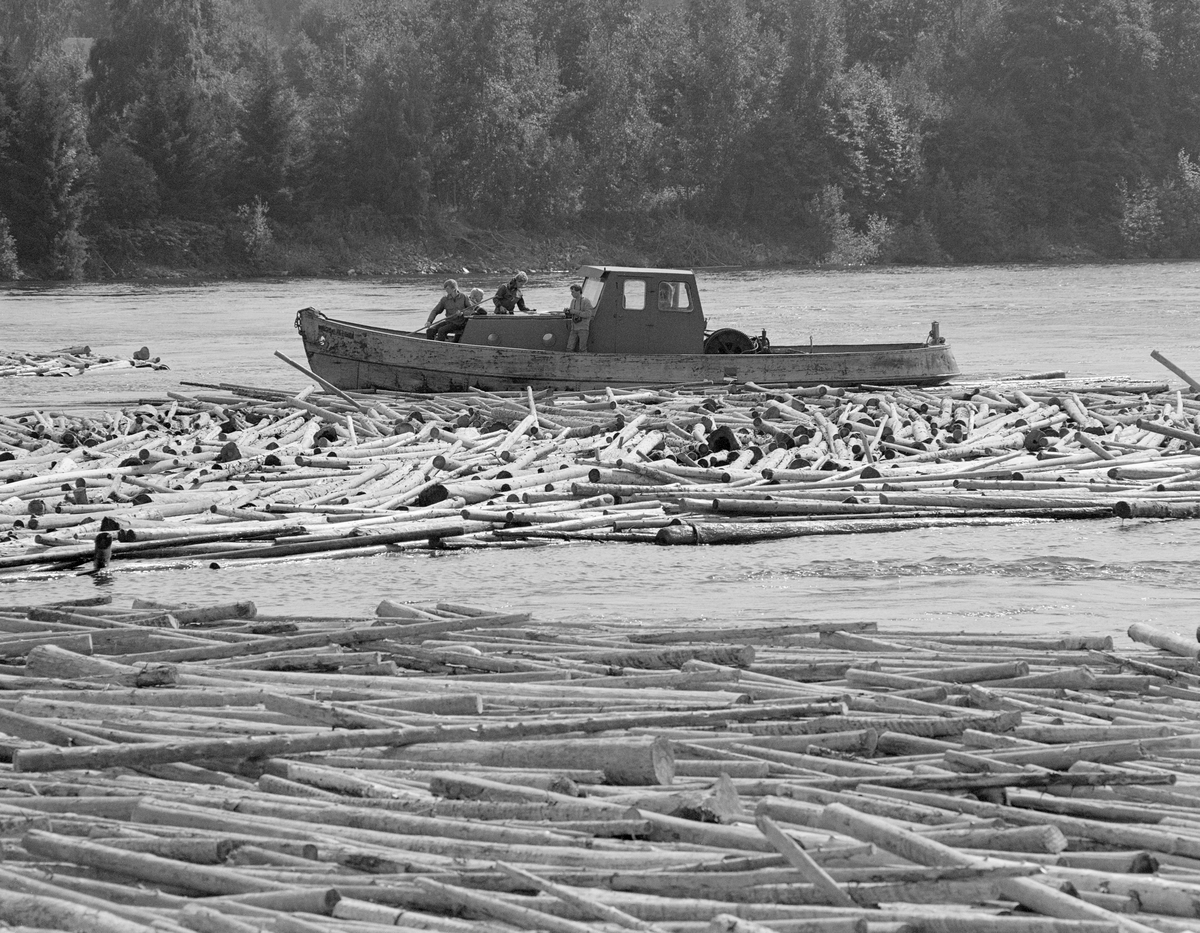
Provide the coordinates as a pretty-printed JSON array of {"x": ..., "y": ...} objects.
[{"x": 45, "y": 165}]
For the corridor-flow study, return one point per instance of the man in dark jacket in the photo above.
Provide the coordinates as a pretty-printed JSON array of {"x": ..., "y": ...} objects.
[{"x": 509, "y": 296}]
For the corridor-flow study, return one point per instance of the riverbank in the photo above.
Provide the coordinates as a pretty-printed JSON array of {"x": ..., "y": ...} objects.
[
  {"x": 364, "y": 243},
  {"x": 370, "y": 246}
]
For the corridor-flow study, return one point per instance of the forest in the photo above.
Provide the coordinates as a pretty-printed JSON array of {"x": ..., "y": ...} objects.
[{"x": 319, "y": 136}]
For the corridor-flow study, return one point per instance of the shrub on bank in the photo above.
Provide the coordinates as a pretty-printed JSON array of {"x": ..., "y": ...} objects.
[
  {"x": 9, "y": 270},
  {"x": 256, "y": 233},
  {"x": 838, "y": 242},
  {"x": 1162, "y": 220}
]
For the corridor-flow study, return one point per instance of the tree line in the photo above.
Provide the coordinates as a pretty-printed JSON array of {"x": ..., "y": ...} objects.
[{"x": 842, "y": 131}]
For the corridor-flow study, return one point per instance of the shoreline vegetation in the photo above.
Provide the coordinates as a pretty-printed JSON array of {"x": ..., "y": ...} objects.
[
  {"x": 327, "y": 252},
  {"x": 330, "y": 253},
  {"x": 495, "y": 253},
  {"x": 159, "y": 138}
]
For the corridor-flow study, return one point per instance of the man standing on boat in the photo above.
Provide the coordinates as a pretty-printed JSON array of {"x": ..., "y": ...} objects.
[
  {"x": 509, "y": 296},
  {"x": 580, "y": 311},
  {"x": 457, "y": 307}
]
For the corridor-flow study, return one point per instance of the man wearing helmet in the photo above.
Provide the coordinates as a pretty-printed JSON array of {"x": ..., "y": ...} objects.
[{"x": 509, "y": 296}]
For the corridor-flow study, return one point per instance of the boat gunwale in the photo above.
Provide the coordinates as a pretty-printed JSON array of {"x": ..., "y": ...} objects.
[{"x": 781, "y": 350}]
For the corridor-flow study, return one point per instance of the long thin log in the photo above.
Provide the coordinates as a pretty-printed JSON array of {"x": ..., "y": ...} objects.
[
  {"x": 1031, "y": 894},
  {"x": 629, "y": 761},
  {"x": 804, "y": 864},
  {"x": 151, "y": 753},
  {"x": 1155, "y": 355},
  {"x": 519, "y": 916},
  {"x": 325, "y": 384},
  {"x": 31, "y": 911},
  {"x": 596, "y": 909},
  {"x": 200, "y": 878},
  {"x": 14, "y": 883}
]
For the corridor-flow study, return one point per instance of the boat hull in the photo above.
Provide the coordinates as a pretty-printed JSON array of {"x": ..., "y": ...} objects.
[{"x": 358, "y": 357}]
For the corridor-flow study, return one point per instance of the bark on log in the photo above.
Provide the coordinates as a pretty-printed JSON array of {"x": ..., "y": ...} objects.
[
  {"x": 488, "y": 906},
  {"x": 1047, "y": 839},
  {"x": 53, "y": 662},
  {"x": 1164, "y": 640},
  {"x": 47, "y": 913},
  {"x": 1150, "y": 508},
  {"x": 154, "y": 753},
  {"x": 347, "y": 637},
  {"x": 745, "y": 532},
  {"x": 632, "y": 760},
  {"x": 1155, "y": 355},
  {"x": 809, "y": 870},
  {"x": 202, "y": 879},
  {"x": 13, "y": 883},
  {"x": 242, "y": 609},
  {"x": 595, "y": 909},
  {"x": 1190, "y": 436}
]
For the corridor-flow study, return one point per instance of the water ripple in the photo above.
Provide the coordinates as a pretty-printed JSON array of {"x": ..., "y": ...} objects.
[{"x": 1047, "y": 568}]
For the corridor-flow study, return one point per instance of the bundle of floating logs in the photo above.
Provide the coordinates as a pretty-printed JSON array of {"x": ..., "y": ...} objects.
[
  {"x": 72, "y": 361},
  {"x": 236, "y": 473},
  {"x": 455, "y": 768}
]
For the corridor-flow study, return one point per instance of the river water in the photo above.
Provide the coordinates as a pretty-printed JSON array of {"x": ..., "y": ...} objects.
[{"x": 1093, "y": 577}]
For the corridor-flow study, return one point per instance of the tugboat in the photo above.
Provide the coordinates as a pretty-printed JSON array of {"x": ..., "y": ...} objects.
[{"x": 649, "y": 329}]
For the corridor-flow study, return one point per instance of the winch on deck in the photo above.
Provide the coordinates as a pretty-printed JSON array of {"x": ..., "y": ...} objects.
[{"x": 729, "y": 340}]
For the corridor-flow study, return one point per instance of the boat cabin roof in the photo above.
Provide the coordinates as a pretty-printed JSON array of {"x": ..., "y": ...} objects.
[{"x": 596, "y": 272}]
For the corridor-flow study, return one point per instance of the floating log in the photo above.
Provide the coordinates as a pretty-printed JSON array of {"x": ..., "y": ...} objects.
[
  {"x": 1034, "y": 896},
  {"x": 51, "y": 661},
  {"x": 630, "y": 761},
  {"x": 804, "y": 864},
  {"x": 72, "y": 361},
  {"x": 1132, "y": 508},
  {"x": 333, "y": 800},
  {"x": 322, "y": 473},
  {"x": 1155, "y": 355},
  {"x": 31, "y": 911},
  {"x": 1167, "y": 641}
]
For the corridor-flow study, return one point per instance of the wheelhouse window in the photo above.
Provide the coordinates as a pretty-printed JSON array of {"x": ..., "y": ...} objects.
[
  {"x": 633, "y": 294},
  {"x": 674, "y": 296},
  {"x": 591, "y": 291}
]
